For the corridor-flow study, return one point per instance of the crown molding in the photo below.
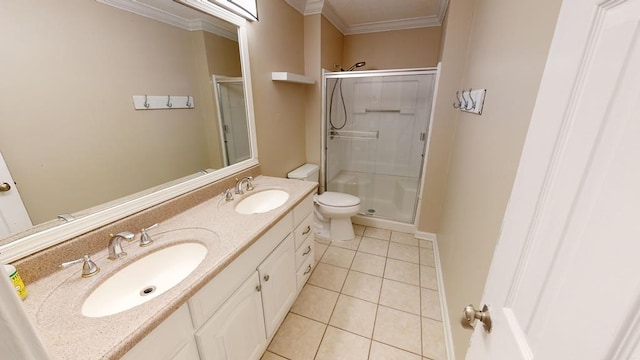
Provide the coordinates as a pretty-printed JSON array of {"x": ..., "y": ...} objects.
[
  {"x": 412, "y": 23},
  {"x": 167, "y": 17},
  {"x": 312, "y": 7},
  {"x": 330, "y": 14}
]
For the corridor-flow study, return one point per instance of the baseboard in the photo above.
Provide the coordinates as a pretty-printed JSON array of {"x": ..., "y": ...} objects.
[
  {"x": 425, "y": 236},
  {"x": 446, "y": 321}
]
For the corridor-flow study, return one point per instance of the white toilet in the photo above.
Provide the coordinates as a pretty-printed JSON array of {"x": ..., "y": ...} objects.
[{"x": 333, "y": 210}]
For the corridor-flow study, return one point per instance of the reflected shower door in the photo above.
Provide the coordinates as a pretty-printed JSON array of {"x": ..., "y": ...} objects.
[
  {"x": 376, "y": 133},
  {"x": 233, "y": 119}
]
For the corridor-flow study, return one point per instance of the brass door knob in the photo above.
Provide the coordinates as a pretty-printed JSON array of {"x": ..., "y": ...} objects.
[
  {"x": 470, "y": 315},
  {"x": 5, "y": 187}
]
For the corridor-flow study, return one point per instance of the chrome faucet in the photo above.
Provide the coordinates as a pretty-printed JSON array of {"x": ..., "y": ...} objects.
[
  {"x": 115, "y": 245},
  {"x": 248, "y": 180}
]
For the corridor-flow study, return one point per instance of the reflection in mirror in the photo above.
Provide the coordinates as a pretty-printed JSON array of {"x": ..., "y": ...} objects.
[
  {"x": 71, "y": 138},
  {"x": 232, "y": 117}
]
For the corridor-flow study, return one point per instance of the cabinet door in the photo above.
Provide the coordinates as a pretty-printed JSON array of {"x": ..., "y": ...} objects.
[
  {"x": 236, "y": 330},
  {"x": 278, "y": 279},
  {"x": 169, "y": 341}
]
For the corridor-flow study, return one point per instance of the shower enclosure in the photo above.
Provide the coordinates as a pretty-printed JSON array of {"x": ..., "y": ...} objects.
[{"x": 375, "y": 134}]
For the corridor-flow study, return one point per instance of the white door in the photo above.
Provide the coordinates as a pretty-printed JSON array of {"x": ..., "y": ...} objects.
[
  {"x": 565, "y": 278},
  {"x": 13, "y": 215}
]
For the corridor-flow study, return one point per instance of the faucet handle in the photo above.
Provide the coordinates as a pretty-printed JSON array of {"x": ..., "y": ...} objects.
[
  {"x": 89, "y": 268},
  {"x": 249, "y": 183},
  {"x": 145, "y": 239},
  {"x": 228, "y": 195}
]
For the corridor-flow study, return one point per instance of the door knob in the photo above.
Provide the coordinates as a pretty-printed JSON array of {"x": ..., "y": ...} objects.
[
  {"x": 470, "y": 315},
  {"x": 5, "y": 187}
]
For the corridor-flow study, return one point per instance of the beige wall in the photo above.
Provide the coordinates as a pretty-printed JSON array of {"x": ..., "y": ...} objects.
[
  {"x": 508, "y": 45},
  {"x": 276, "y": 43},
  {"x": 69, "y": 71},
  {"x": 397, "y": 49},
  {"x": 312, "y": 60}
]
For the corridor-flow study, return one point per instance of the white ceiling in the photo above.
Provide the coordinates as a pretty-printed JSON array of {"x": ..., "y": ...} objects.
[{"x": 364, "y": 16}]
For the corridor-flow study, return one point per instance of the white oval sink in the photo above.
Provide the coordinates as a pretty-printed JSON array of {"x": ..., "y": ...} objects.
[
  {"x": 262, "y": 201},
  {"x": 144, "y": 279}
]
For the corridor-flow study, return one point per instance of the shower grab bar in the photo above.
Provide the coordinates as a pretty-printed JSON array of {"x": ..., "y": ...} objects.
[
  {"x": 382, "y": 110},
  {"x": 359, "y": 135}
]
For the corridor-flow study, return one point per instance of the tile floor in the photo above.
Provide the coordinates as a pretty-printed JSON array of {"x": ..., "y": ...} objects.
[{"x": 375, "y": 297}]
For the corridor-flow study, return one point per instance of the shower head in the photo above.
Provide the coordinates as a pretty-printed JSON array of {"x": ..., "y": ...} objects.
[{"x": 357, "y": 65}]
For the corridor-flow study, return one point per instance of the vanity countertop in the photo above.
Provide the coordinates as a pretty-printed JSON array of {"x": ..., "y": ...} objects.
[{"x": 54, "y": 302}]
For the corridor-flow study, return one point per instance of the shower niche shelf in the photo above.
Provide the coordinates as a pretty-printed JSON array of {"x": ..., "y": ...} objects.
[{"x": 291, "y": 77}]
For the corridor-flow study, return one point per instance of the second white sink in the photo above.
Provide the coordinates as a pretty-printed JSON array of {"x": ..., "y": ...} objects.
[
  {"x": 144, "y": 279},
  {"x": 262, "y": 201}
]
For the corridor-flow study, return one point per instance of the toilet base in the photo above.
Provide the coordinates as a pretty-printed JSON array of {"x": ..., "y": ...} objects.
[
  {"x": 326, "y": 229},
  {"x": 342, "y": 229}
]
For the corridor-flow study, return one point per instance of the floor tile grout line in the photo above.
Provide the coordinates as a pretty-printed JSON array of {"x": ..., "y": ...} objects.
[{"x": 378, "y": 305}]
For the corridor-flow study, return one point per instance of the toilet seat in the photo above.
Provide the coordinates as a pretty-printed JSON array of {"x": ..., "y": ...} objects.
[{"x": 334, "y": 199}]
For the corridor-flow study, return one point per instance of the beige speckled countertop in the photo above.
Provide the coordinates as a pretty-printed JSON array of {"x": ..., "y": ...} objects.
[{"x": 54, "y": 302}]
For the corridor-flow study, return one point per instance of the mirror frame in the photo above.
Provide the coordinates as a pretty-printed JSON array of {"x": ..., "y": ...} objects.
[{"x": 47, "y": 237}]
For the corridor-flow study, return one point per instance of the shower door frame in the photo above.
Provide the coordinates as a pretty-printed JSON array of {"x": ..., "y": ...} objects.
[{"x": 372, "y": 220}]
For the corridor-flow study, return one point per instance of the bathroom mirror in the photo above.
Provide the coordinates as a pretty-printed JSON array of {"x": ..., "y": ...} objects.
[{"x": 70, "y": 135}]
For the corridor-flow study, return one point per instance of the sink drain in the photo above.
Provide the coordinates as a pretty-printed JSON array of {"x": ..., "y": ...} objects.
[{"x": 147, "y": 291}]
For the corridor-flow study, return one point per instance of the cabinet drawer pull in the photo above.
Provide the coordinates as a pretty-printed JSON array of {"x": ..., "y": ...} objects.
[
  {"x": 306, "y": 231},
  {"x": 258, "y": 288},
  {"x": 266, "y": 277},
  {"x": 306, "y": 252},
  {"x": 308, "y": 270}
]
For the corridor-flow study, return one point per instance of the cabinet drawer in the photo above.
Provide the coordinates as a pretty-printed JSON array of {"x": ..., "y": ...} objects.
[
  {"x": 302, "y": 231},
  {"x": 304, "y": 272},
  {"x": 304, "y": 251},
  {"x": 303, "y": 209}
]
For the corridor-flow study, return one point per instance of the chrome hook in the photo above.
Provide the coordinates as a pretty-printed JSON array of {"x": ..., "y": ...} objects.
[
  {"x": 465, "y": 106},
  {"x": 473, "y": 102},
  {"x": 458, "y": 105},
  {"x": 189, "y": 104},
  {"x": 169, "y": 104},
  {"x": 146, "y": 102}
]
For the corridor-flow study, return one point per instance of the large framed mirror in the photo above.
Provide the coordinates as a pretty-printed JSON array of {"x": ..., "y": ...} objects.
[{"x": 79, "y": 154}]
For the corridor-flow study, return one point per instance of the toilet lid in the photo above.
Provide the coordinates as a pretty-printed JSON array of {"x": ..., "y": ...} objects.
[{"x": 337, "y": 199}]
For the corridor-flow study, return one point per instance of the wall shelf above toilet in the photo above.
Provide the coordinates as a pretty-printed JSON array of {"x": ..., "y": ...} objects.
[{"x": 291, "y": 77}]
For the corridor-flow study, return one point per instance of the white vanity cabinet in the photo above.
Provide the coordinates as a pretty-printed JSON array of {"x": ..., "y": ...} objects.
[
  {"x": 278, "y": 279},
  {"x": 236, "y": 330},
  {"x": 304, "y": 240},
  {"x": 237, "y": 313},
  {"x": 171, "y": 340}
]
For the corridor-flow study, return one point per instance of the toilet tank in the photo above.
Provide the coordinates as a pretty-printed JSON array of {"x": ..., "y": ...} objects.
[{"x": 306, "y": 172}]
